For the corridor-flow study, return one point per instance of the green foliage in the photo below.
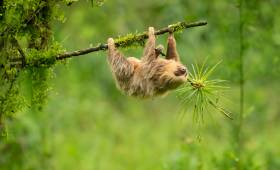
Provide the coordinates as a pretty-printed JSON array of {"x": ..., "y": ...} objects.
[
  {"x": 40, "y": 85},
  {"x": 88, "y": 124},
  {"x": 201, "y": 94},
  {"x": 25, "y": 45}
]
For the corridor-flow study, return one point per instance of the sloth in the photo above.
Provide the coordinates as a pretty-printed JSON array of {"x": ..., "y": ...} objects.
[{"x": 152, "y": 75}]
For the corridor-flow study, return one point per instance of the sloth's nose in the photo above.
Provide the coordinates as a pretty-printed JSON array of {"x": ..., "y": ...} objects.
[{"x": 181, "y": 71}]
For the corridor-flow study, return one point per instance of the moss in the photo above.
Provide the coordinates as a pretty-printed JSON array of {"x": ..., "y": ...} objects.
[
  {"x": 43, "y": 58},
  {"x": 138, "y": 39},
  {"x": 131, "y": 40},
  {"x": 41, "y": 77},
  {"x": 180, "y": 26},
  {"x": 39, "y": 56}
]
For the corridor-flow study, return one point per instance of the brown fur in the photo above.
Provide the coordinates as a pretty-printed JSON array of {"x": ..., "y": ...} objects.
[{"x": 150, "y": 76}]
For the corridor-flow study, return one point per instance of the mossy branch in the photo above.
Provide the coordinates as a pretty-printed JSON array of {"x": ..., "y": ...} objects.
[
  {"x": 123, "y": 42},
  {"x": 132, "y": 39}
]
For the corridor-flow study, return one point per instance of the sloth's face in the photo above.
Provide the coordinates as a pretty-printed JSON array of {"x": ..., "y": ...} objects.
[{"x": 171, "y": 73}]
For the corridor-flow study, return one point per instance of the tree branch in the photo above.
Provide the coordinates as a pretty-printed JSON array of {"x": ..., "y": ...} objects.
[
  {"x": 125, "y": 41},
  {"x": 131, "y": 39}
]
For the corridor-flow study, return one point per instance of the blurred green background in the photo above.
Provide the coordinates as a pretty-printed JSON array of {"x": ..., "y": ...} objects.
[{"x": 89, "y": 125}]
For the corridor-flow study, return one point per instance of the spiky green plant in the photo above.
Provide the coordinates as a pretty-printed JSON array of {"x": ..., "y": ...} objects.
[{"x": 201, "y": 94}]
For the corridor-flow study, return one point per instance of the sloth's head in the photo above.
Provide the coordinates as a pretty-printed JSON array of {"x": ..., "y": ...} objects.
[{"x": 170, "y": 74}]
